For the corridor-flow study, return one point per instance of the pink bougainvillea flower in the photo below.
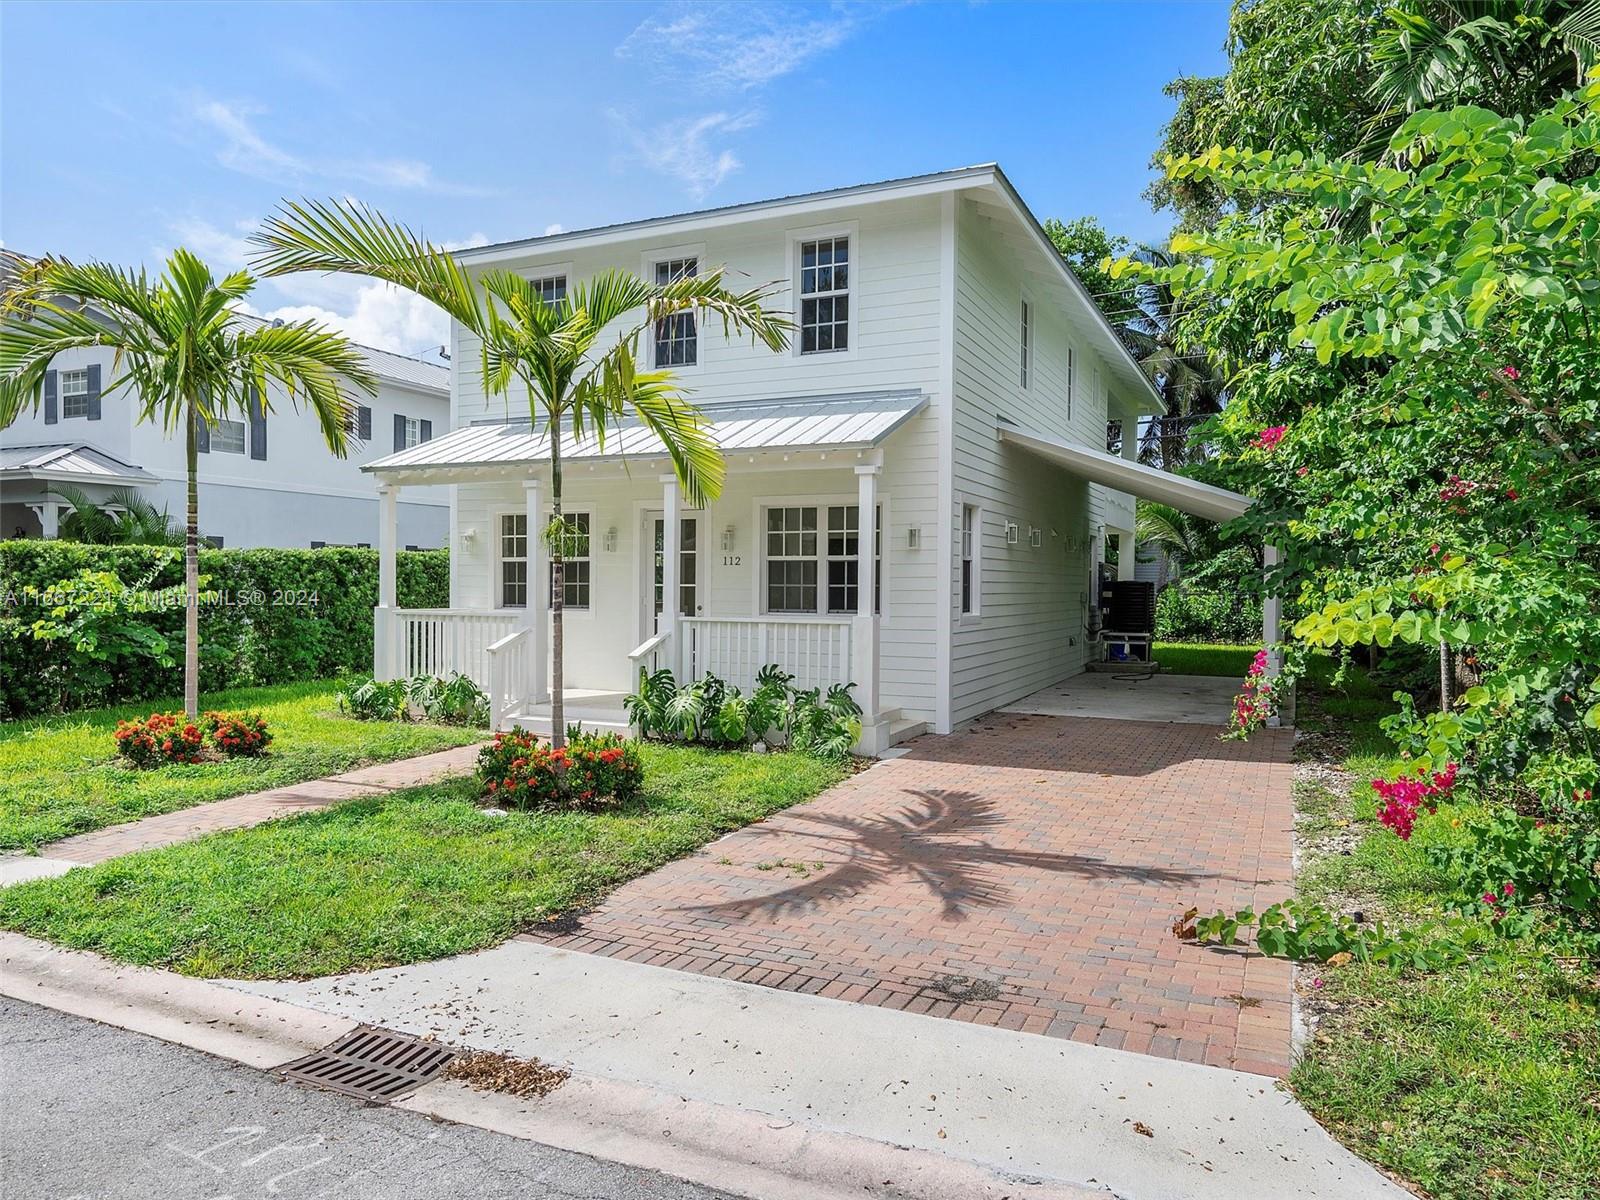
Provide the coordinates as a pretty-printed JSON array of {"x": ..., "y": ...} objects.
[
  {"x": 1511, "y": 372},
  {"x": 1269, "y": 437},
  {"x": 1509, "y": 889}
]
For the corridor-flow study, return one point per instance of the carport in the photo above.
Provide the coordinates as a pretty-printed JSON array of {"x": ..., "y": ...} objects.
[{"x": 1121, "y": 697}]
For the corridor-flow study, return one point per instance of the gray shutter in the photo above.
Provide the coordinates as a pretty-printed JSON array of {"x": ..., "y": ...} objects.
[
  {"x": 94, "y": 391},
  {"x": 51, "y": 415},
  {"x": 399, "y": 432},
  {"x": 425, "y": 431},
  {"x": 202, "y": 435},
  {"x": 258, "y": 424},
  {"x": 364, "y": 423}
]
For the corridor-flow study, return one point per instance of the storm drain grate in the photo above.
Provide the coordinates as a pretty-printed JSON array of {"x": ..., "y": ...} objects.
[{"x": 373, "y": 1064}]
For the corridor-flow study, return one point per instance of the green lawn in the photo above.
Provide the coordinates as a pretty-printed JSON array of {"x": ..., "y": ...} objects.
[
  {"x": 397, "y": 878},
  {"x": 61, "y": 775},
  {"x": 1198, "y": 658},
  {"x": 1477, "y": 1083}
]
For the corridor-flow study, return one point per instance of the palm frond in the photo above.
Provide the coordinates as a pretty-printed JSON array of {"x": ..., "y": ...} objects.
[{"x": 314, "y": 365}]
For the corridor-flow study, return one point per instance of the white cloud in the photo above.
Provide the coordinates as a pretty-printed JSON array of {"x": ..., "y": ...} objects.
[
  {"x": 223, "y": 249},
  {"x": 683, "y": 149},
  {"x": 738, "y": 46},
  {"x": 381, "y": 315},
  {"x": 553, "y": 228},
  {"x": 244, "y": 149}
]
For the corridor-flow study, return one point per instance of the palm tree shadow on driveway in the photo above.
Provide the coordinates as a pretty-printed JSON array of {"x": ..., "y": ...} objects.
[{"x": 940, "y": 840}]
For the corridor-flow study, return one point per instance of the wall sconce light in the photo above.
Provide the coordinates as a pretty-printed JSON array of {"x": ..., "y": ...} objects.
[
  {"x": 1012, "y": 535},
  {"x": 611, "y": 539},
  {"x": 469, "y": 535},
  {"x": 727, "y": 539},
  {"x": 914, "y": 538},
  {"x": 1035, "y": 536}
]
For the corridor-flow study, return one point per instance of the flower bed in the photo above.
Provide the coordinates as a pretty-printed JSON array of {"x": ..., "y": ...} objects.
[
  {"x": 171, "y": 737},
  {"x": 590, "y": 771}
]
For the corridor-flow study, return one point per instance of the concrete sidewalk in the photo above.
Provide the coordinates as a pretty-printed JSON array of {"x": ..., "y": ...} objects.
[
  {"x": 234, "y": 812},
  {"x": 1085, "y": 1116}
]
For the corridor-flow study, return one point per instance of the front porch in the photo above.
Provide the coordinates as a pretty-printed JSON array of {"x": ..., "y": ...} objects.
[{"x": 634, "y": 542}]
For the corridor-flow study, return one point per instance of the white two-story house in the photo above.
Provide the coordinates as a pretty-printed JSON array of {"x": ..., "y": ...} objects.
[
  {"x": 918, "y": 491},
  {"x": 265, "y": 480}
]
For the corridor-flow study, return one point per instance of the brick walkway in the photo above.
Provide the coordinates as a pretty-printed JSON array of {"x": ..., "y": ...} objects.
[
  {"x": 239, "y": 812},
  {"x": 1025, "y": 874}
]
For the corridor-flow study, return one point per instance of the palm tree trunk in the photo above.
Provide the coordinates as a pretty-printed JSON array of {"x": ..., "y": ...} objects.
[
  {"x": 191, "y": 574},
  {"x": 558, "y": 579}
]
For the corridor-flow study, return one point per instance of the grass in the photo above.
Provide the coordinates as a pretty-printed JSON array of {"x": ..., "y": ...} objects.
[
  {"x": 398, "y": 878},
  {"x": 1475, "y": 1083},
  {"x": 61, "y": 775},
  {"x": 1199, "y": 658}
]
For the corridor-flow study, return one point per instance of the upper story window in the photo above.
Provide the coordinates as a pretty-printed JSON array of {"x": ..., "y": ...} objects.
[
  {"x": 552, "y": 289},
  {"x": 74, "y": 393},
  {"x": 825, "y": 295},
  {"x": 1027, "y": 343},
  {"x": 676, "y": 341},
  {"x": 413, "y": 434},
  {"x": 227, "y": 437}
]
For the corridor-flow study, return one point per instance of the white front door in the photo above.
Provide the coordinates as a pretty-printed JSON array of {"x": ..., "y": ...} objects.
[{"x": 690, "y": 576}]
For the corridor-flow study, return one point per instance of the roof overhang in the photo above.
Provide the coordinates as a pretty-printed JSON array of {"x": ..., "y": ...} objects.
[
  {"x": 1187, "y": 495},
  {"x": 74, "y": 463},
  {"x": 758, "y": 430}
]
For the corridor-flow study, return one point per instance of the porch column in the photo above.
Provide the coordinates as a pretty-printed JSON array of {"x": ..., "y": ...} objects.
[
  {"x": 1126, "y": 560},
  {"x": 864, "y": 633},
  {"x": 1272, "y": 633},
  {"x": 537, "y": 614},
  {"x": 385, "y": 621},
  {"x": 671, "y": 520}
]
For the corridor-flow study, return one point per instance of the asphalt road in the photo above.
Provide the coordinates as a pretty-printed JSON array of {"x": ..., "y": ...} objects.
[{"x": 88, "y": 1112}]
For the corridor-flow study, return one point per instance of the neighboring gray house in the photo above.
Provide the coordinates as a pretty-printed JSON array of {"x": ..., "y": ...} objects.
[
  {"x": 268, "y": 481},
  {"x": 949, "y": 374}
]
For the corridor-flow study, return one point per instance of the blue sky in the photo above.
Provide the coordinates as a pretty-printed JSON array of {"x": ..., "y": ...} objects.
[{"x": 131, "y": 128}]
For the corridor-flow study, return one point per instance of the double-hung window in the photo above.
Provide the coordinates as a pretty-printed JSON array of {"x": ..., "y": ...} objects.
[
  {"x": 676, "y": 342},
  {"x": 808, "y": 573},
  {"x": 574, "y": 562},
  {"x": 74, "y": 393},
  {"x": 227, "y": 437},
  {"x": 413, "y": 434},
  {"x": 825, "y": 295},
  {"x": 1027, "y": 344},
  {"x": 514, "y": 560},
  {"x": 552, "y": 289},
  {"x": 969, "y": 563}
]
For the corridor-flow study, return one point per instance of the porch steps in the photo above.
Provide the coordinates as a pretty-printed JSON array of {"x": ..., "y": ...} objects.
[{"x": 903, "y": 729}]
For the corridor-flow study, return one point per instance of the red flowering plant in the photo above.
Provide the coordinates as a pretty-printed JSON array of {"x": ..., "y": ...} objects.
[
  {"x": 1404, "y": 797},
  {"x": 1257, "y": 703},
  {"x": 160, "y": 738},
  {"x": 1269, "y": 437},
  {"x": 591, "y": 771},
  {"x": 237, "y": 733}
]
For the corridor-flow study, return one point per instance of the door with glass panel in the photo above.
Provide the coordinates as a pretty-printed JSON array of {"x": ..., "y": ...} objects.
[{"x": 690, "y": 583}]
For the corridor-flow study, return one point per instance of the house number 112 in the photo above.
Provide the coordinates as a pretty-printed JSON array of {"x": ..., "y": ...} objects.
[{"x": 731, "y": 560}]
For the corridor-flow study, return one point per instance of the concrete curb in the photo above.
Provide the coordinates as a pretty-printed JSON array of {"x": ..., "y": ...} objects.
[{"x": 741, "y": 1152}]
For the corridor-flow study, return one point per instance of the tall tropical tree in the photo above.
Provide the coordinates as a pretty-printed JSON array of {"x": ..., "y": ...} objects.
[
  {"x": 576, "y": 380},
  {"x": 186, "y": 360}
]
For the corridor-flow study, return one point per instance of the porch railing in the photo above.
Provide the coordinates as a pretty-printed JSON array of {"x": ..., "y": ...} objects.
[
  {"x": 816, "y": 651},
  {"x": 439, "y": 641},
  {"x": 650, "y": 656},
  {"x": 509, "y": 668}
]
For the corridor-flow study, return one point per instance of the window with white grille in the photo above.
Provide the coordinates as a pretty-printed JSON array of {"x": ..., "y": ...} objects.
[{"x": 825, "y": 295}]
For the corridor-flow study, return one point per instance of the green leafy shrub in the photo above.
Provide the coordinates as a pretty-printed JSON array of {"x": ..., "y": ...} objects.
[
  {"x": 278, "y": 616},
  {"x": 237, "y": 734},
  {"x": 716, "y": 714},
  {"x": 453, "y": 701},
  {"x": 374, "y": 699},
  {"x": 160, "y": 738},
  {"x": 593, "y": 770},
  {"x": 1210, "y": 611}
]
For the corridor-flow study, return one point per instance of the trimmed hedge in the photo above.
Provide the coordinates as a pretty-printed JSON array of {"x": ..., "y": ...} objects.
[
  {"x": 284, "y": 615},
  {"x": 1193, "y": 612}
]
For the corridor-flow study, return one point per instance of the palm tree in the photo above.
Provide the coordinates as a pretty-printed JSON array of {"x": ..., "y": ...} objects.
[
  {"x": 573, "y": 384},
  {"x": 123, "y": 518},
  {"x": 187, "y": 361}
]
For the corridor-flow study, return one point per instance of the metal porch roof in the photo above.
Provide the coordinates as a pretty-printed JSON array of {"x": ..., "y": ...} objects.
[
  {"x": 852, "y": 421},
  {"x": 70, "y": 461},
  {"x": 1188, "y": 495}
]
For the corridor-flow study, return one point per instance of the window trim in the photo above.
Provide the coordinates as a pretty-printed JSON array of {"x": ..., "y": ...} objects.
[
  {"x": 648, "y": 259},
  {"x": 587, "y": 513},
  {"x": 820, "y": 502},
  {"x": 61, "y": 391},
  {"x": 969, "y": 610},
  {"x": 244, "y": 437},
  {"x": 561, "y": 271},
  {"x": 796, "y": 237}
]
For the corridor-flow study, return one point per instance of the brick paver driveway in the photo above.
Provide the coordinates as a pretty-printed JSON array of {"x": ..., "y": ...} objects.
[{"x": 1025, "y": 873}]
